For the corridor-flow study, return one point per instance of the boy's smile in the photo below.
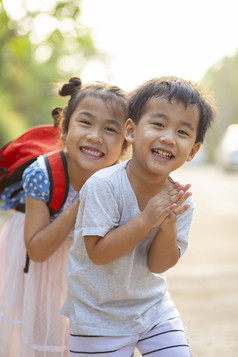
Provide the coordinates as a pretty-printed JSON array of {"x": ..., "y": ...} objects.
[{"x": 164, "y": 138}]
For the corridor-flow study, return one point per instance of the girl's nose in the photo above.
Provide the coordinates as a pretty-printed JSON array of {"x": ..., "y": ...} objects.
[{"x": 95, "y": 136}]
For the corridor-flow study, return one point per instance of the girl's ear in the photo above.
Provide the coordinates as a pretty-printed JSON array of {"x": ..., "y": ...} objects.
[
  {"x": 63, "y": 131},
  {"x": 130, "y": 131},
  {"x": 193, "y": 152}
]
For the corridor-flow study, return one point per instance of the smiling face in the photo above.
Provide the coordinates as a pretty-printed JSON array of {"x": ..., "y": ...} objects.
[
  {"x": 164, "y": 137},
  {"x": 95, "y": 136}
]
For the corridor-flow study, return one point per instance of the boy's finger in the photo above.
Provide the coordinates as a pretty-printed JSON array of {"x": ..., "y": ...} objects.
[
  {"x": 182, "y": 209},
  {"x": 183, "y": 198},
  {"x": 187, "y": 187}
]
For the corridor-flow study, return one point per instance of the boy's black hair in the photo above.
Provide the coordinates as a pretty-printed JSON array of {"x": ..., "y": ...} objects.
[{"x": 173, "y": 89}]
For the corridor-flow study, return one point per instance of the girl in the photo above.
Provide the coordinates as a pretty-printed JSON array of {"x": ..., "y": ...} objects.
[{"x": 93, "y": 134}]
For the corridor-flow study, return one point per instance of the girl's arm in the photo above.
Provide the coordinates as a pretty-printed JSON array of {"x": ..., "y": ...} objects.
[{"x": 42, "y": 237}]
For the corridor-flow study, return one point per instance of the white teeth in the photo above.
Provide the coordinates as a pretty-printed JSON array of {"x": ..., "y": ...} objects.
[
  {"x": 162, "y": 153},
  {"x": 91, "y": 152}
]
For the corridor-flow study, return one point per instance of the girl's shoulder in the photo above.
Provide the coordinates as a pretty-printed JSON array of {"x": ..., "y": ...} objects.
[{"x": 36, "y": 181}]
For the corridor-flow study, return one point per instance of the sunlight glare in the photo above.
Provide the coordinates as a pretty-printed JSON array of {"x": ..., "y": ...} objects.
[
  {"x": 40, "y": 5},
  {"x": 43, "y": 53},
  {"x": 73, "y": 63},
  {"x": 43, "y": 26},
  {"x": 152, "y": 38},
  {"x": 14, "y": 9}
]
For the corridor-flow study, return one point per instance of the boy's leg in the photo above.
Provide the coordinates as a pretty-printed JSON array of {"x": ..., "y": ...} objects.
[
  {"x": 166, "y": 339},
  {"x": 97, "y": 346}
]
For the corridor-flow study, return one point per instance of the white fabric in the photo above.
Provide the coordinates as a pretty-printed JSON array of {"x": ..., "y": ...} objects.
[
  {"x": 31, "y": 325},
  {"x": 122, "y": 297},
  {"x": 30, "y": 322},
  {"x": 167, "y": 338}
]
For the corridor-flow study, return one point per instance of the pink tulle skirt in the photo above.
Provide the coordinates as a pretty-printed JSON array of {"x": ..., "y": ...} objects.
[{"x": 30, "y": 321}]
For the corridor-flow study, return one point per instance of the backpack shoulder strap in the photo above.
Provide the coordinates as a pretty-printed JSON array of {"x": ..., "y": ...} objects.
[{"x": 59, "y": 178}]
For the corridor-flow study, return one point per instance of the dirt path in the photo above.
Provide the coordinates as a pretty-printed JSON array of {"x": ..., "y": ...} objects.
[{"x": 204, "y": 284}]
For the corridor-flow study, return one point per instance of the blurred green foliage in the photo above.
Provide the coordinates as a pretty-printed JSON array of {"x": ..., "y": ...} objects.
[
  {"x": 221, "y": 80},
  {"x": 31, "y": 63}
]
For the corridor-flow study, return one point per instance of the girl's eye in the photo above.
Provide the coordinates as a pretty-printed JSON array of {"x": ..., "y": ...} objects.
[{"x": 86, "y": 122}]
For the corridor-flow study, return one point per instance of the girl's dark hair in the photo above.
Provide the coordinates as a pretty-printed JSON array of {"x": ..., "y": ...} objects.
[
  {"x": 114, "y": 97},
  {"x": 173, "y": 89},
  {"x": 57, "y": 114}
]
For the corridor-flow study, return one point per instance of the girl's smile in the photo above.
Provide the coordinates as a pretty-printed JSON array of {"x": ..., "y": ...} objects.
[
  {"x": 94, "y": 138},
  {"x": 91, "y": 153}
]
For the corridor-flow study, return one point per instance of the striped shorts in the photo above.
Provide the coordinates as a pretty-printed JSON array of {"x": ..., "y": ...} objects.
[{"x": 167, "y": 338}]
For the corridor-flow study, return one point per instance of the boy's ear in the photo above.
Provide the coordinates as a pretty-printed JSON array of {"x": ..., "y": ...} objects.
[
  {"x": 193, "y": 152},
  {"x": 130, "y": 131}
]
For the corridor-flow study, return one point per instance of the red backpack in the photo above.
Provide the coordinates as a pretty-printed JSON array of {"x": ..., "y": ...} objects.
[
  {"x": 17, "y": 155},
  {"x": 21, "y": 152}
]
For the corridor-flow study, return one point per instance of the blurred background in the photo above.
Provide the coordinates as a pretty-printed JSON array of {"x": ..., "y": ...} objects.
[{"x": 126, "y": 42}]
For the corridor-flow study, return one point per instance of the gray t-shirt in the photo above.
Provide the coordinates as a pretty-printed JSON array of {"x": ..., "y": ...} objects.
[{"x": 122, "y": 297}]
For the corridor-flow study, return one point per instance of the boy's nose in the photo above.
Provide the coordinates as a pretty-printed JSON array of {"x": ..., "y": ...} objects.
[{"x": 168, "y": 139}]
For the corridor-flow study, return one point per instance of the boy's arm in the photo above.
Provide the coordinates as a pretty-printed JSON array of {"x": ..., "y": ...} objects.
[
  {"x": 118, "y": 241},
  {"x": 164, "y": 252}
]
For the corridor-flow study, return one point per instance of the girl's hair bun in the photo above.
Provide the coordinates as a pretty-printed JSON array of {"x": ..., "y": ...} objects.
[
  {"x": 57, "y": 114},
  {"x": 72, "y": 87}
]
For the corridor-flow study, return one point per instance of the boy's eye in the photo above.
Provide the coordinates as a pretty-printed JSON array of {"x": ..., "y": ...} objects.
[
  {"x": 110, "y": 130},
  {"x": 183, "y": 132}
]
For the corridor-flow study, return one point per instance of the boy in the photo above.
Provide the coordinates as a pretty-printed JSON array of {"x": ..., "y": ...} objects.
[{"x": 133, "y": 224}]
